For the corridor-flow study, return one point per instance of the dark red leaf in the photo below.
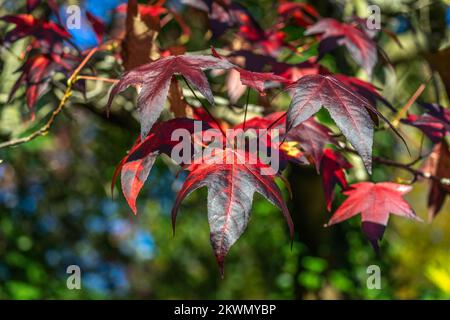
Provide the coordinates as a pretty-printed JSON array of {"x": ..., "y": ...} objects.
[
  {"x": 437, "y": 111},
  {"x": 435, "y": 123},
  {"x": 437, "y": 164},
  {"x": 154, "y": 81},
  {"x": 313, "y": 137},
  {"x": 375, "y": 202},
  {"x": 36, "y": 72},
  {"x": 144, "y": 10},
  {"x": 33, "y": 4},
  {"x": 47, "y": 32},
  {"x": 366, "y": 89},
  {"x": 97, "y": 25},
  {"x": 362, "y": 48},
  {"x": 256, "y": 80},
  {"x": 230, "y": 195},
  {"x": 136, "y": 165},
  {"x": 347, "y": 108},
  {"x": 432, "y": 127},
  {"x": 303, "y": 14}
]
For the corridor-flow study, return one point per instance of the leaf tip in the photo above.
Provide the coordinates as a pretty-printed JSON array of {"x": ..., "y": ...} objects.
[
  {"x": 221, "y": 263},
  {"x": 374, "y": 233}
]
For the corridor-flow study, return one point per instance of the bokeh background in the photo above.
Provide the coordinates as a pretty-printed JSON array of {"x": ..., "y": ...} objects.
[{"x": 56, "y": 208}]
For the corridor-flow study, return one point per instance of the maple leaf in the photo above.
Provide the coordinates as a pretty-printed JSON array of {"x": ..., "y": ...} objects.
[
  {"x": 229, "y": 14},
  {"x": 437, "y": 164},
  {"x": 47, "y": 32},
  {"x": 375, "y": 202},
  {"x": 347, "y": 108},
  {"x": 437, "y": 111},
  {"x": 37, "y": 71},
  {"x": 256, "y": 80},
  {"x": 230, "y": 195},
  {"x": 313, "y": 137},
  {"x": 365, "y": 89},
  {"x": 332, "y": 168},
  {"x": 154, "y": 81},
  {"x": 136, "y": 165},
  {"x": 334, "y": 33}
]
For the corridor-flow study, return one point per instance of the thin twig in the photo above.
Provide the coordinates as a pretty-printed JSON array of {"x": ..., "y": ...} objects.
[
  {"x": 204, "y": 106},
  {"x": 275, "y": 122},
  {"x": 413, "y": 171},
  {"x": 407, "y": 167}
]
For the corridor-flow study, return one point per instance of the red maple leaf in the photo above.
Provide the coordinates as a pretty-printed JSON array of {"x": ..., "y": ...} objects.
[
  {"x": 255, "y": 80},
  {"x": 46, "y": 32},
  {"x": 145, "y": 10},
  {"x": 365, "y": 89},
  {"x": 334, "y": 33},
  {"x": 435, "y": 122},
  {"x": 437, "y": 164},
  {"x": 311, "y": 136},
  {"x": 136, "y": 165},
  {"x": 33, "y": 4},
  {"x": 375, "y": 202},
  {"x": 154, "y": 81},
  {"x": 302, "y": 13},
  {"x": 36, "y": 73},
  {"x": 230, "y": 195},
  {"x": 38, "y": 69},
  {"x": 97, "y": 25},
  {"x": 347, "y": 108}
]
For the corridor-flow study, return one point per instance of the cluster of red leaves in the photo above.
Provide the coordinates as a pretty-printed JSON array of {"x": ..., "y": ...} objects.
[
  {"x": 231, "y": 186},
  {"x": 435, "y": 124},
  {"x": 44, "y": 55},
  {"x": 351, "y": 103}
]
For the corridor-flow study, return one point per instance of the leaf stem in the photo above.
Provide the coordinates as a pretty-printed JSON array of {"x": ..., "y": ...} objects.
[
  {"x": 407, "y": 167},
  {"x": 276, "y": 120},
  {"x": 246, "y": 108}
]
